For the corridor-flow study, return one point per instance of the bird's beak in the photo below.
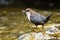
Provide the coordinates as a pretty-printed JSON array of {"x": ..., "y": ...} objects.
[{"x": 23, "y": 11}]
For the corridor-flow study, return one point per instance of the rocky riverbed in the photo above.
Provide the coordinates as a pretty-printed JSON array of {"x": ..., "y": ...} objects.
[{"x": 14, "y": 25}]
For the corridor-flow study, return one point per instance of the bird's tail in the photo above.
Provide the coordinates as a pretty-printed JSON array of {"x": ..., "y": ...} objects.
[{"x": 48, "y": 17}]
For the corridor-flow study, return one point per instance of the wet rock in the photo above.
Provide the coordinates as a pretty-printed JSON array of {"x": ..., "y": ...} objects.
[
  {"x": 14, "y": 31},
  {"x": 0, "y": 39},
  {"x": 4, "y": 12},
  {"x": 9, "y": 37},
  {"x": 50, "y": 33},
  {"x": 2, "y": 27},
  {"x": 46, "y": 12},
  {"x": 28, "y": 30},
  {"x": 39, "y": 26},
  {"x": 52, "y": 25},
  {"x": 21, "y": 32},
  {"x": 1, "y": 31},
  {"x": 22, "y": 21},
  {"x": 12, "y": 13},
  {"x": 13, "y": 24},
  {"x": 4, "y": 19},
  {"x": 1, "y": 24},
  {"x": 58, "y": 13},
  {"x": 52, "y": 28},
  {"x": 34, "y": 36}
]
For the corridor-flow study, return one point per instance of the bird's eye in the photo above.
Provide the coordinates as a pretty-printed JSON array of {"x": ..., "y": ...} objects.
[{"x": 27, "y": 10}]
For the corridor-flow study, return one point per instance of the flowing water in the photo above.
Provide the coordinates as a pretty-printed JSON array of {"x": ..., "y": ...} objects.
[{"x": 14, "y": 23}]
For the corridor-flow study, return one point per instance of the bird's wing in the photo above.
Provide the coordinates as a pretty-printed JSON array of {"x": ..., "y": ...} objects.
[
  {"x": 41, "y": 17},
  {"x": 37, "y": 18}
]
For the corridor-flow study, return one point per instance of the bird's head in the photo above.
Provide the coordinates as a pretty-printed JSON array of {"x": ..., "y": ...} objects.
[
  {"x": 29, "y": 10},
  {"x": 26, "y": 10}
]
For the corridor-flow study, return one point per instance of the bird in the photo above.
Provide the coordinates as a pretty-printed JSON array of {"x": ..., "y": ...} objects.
[{"x": 36, "y": 18}]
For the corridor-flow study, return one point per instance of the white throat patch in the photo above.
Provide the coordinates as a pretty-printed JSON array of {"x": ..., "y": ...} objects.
[{"x": 28, "y": 15}]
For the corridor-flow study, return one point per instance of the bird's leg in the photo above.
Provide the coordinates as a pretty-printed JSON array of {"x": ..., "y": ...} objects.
[
  {"x": 36, "y": 26},
  {"x": 43, "y": 30}
]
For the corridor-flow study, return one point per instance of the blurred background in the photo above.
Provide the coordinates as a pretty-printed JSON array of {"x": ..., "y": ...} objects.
[
  {"x": 31, "y": 3},
  {"x": 14, "y": 23}
]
